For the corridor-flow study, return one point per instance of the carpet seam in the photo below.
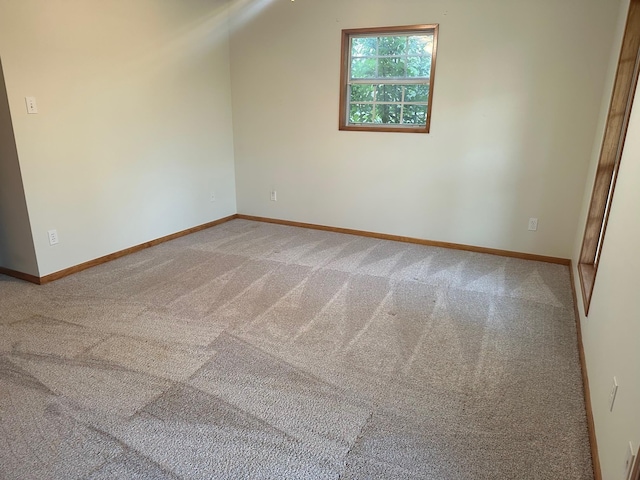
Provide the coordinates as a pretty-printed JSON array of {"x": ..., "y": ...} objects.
[{"x": 355, "y": 442}]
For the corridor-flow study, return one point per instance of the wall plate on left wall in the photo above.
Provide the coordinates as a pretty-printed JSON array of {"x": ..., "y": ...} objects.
[{"x": 32, "y": 106}]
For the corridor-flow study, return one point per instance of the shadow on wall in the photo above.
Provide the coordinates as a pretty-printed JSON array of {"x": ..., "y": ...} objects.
[{"x": 17, "y": 251}]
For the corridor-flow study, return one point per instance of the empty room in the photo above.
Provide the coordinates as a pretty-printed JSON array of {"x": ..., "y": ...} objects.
[{"x": 337, "y": 239}]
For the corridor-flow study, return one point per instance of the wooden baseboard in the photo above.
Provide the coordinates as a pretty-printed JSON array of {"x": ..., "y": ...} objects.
[
  {"x": 127, "y": 251},
  {"x": 20, "y": 275},
  {"x": 384, "y": 236},
  {"x": 419, "y": 241},
  {"x": 112, "y": 256},
  {"x": 595, "y": 458}
]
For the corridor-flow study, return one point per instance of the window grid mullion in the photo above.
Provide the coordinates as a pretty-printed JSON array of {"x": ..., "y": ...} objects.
[
  {"x": 392, "y": 56},
  {"x": 377, "y": 56},
  {"x": 390, "y": 81},
  {"x": 365, "y": 102},
  {"x": 375, "y": 100},
  {"x": 406, "y": 57}
]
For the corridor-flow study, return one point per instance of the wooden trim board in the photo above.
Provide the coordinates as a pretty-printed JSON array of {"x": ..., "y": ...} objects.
[
  {"x": 595, "y": 458},
  {"x": 635, "y": 475},
  {"x": 611, "y": 152},
  {"x": 383, "y": 236},
  {"x": 112, "y": 256},
  {"x": 419, "y": 241},
  {"x": 20, "y": 275}
]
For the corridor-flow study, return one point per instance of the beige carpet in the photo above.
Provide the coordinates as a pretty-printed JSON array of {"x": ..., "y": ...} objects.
[{"x": 259, "y": 351}]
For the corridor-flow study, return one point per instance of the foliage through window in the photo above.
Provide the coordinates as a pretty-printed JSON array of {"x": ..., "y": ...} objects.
[{"x": 387, "y": 78}]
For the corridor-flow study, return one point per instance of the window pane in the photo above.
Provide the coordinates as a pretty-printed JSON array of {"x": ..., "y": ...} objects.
[
  {"x": 389, "y": 93},
  {"x": 363, "y": 68},
  {"x": 362, "y": 93},
  {"x": 387, "y": 114},
  {"x": 415, "y": 114},
  {"x": 391, "y": 67},
  {"x": 416, "y": 93},
  {"x": 418, "y": 66},
  {"x": 420, "y": 45},
  {"x": 363, "y": 46},
  {"x": 392, "y": 45},
  {"x": 359, "y": 113}
]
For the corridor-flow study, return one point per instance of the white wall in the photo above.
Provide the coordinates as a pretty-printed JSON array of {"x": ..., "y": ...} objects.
[
  {"x": 611, "y": 332},
  {"x": 516, "y": 101},
  {"x": 134, "y": 126},
  {"x": 16, "y": 246}
]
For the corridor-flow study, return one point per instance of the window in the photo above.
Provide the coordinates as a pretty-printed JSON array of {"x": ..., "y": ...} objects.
[
  {"x": 387, "y": 78},
  {"x": 611, "y": 153}
]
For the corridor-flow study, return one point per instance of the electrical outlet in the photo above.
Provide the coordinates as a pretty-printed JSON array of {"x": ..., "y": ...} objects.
[
  {"x": 53, "y": 237},
  {"x": 274, "y": 196},
  {"x": 213, "y": 196},
  {"x": 612, "y": 394},
  {"x": 628, "y": 461},
  {"x": 533, "y": 224},
  {"x": 31, "y": 104}
]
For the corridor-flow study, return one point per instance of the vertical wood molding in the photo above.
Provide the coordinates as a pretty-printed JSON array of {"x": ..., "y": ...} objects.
[
  {"x": 615, "y": 133},
  {"x": 593, "y": 442},
  {"x": 635, "y": 475}
]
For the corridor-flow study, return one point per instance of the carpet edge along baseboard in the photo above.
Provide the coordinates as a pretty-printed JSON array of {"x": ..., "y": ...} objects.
[
  {"x": 112, "y": 256},
  {"x": 382, "y": 236},
  {"x": 418, "y": 241},
  {"x": 20, "y": 275}
]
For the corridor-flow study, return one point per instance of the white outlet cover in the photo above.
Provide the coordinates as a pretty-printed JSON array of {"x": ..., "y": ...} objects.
[
  {"x": 613, "y": 393},
  {"x": 32, "y": 107},
  {"x": 53, "y": 237}
]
